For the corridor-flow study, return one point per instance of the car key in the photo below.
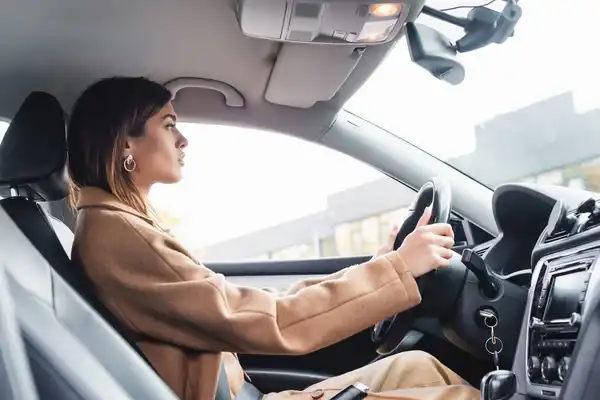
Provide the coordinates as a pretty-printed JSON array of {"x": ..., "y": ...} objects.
[{"x": 494, "y": 344}]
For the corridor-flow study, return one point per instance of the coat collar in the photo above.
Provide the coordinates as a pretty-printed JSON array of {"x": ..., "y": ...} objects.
[{"x": 93, "y": 197}]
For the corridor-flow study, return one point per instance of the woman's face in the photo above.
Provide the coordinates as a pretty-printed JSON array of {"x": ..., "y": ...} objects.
[{"x": 158, "y": 153}]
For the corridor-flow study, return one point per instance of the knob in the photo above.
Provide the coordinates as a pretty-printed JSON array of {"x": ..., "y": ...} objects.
[
  {"x": 575, "y": 320},
  {"x": 534, "y": 368},
  {"x": 563, "y": 368},
  {"x": 535, "y": 323},
  {"x": 549, "y": 369},
  {"x": 498, "y": 385}
]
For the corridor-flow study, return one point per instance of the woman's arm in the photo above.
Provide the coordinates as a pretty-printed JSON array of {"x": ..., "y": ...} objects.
[
  {"x": 151, "y": 283},
  {"x": 302, "y": 284}
]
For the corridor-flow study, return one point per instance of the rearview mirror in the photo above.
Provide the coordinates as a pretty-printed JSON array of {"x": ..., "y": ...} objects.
[{"x": 434, "y": 52}]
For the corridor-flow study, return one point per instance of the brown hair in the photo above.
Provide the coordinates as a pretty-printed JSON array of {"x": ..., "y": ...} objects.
[{"x": 102, "y": 118}]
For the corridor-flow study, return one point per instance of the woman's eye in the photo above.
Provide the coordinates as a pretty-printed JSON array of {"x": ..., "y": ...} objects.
[{"x": 170, "y": 126}]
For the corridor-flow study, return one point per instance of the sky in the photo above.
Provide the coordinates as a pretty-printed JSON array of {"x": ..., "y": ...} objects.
[{"x": 239, "y": 180}]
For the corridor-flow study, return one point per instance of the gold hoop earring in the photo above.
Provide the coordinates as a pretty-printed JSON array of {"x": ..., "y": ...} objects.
[{"x": 129, "y": 164}]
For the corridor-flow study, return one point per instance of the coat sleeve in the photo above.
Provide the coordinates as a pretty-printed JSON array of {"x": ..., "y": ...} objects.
[{"x": 150, "y": 282}]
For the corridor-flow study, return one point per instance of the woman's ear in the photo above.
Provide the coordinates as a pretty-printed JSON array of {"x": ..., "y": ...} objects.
[{"x": 127, "y": 149}]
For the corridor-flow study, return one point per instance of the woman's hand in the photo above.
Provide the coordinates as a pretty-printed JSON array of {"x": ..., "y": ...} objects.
[{"x": 428, "y": 247}]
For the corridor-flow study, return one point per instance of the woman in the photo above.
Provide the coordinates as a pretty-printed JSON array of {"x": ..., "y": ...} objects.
[{"x": 123, "y": 139}]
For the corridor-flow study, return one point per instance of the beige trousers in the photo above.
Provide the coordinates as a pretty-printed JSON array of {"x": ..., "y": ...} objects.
[{"x": 412, "y": 375}]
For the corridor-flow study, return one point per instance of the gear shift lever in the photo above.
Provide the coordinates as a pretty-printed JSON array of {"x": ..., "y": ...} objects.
[{"x": 498, "y": 385}]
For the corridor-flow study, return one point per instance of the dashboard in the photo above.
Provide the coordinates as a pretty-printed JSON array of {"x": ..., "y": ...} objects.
[{"x": 550, "y": 246}]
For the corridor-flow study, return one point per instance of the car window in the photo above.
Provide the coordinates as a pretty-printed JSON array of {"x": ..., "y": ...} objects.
[
  {"x": 528, "y": 109},
  {"x": 249, "y": 195}
]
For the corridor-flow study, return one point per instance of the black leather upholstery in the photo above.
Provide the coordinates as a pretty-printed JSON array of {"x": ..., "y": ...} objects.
[{"x": 33, "y": 151}]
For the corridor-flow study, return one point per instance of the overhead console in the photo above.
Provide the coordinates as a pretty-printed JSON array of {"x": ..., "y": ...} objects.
[
  {"x": 335, "y": 34},
  {"x": 325, "y": 21}
]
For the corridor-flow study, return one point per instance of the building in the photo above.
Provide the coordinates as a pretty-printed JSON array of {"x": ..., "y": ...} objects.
[
  {"x": 338, "y": 230},
  {"x": 546, "y": 141}
]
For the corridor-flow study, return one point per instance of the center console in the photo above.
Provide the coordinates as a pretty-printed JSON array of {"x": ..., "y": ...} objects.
[
  {"x": 555, "y": 316},
  {"x": 557, "y": 352}
]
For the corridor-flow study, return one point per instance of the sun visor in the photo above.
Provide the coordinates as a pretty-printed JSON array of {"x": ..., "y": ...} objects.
[{"x": 304, "y": 75}]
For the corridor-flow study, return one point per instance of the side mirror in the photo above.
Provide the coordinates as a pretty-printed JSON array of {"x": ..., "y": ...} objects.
[{"x": 434, "y": 52}]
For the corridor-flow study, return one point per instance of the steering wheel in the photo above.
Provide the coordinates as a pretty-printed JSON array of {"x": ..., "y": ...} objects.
[{"x": 388, "y": 334}]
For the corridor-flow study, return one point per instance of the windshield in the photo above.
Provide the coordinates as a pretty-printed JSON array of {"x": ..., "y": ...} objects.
[{"x": 528, "y": 109}]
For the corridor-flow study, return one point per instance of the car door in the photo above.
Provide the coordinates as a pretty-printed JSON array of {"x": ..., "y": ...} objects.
[{"x": 267, "y": 210}]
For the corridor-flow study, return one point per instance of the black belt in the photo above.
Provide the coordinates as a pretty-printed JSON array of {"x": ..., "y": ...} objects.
[{"x": 248, "y": 392}]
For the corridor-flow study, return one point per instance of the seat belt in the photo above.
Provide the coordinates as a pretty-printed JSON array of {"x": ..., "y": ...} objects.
[{"x": 248, "y": 391}]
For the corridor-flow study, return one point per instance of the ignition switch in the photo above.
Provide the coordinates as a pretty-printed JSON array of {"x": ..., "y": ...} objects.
[{"x": 486, "y": 317}]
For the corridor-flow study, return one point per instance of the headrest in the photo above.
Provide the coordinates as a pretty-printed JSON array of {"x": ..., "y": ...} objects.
[{"x": 33, "y": 153}]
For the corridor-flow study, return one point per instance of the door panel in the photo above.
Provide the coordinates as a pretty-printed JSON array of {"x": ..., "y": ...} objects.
[
  {"x": 275, "y": 373},
  {"x": 274, "y": 380},
  {"x": 278, "y": 373},
  {"x": 280, "y": 275}
]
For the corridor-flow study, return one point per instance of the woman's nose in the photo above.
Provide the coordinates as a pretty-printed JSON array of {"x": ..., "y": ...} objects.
[{"x": 183, "y": 142}]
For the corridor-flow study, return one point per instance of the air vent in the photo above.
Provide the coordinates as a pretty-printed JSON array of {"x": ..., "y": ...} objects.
[
  {"x": 558, "y": 235},
  {"x": 483, "y": 249},
  {"x": 561, "y": 222},
  {"x": 591, "y": 223}
]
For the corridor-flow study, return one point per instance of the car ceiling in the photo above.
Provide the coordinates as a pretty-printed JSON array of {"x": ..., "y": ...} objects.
[{"x": 61, "y": 46}]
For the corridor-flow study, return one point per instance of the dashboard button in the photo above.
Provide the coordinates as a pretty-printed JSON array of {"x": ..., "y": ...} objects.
[
  {"x": 563, "y": 368},
  {"x": 534, "y": 368},
  {"x": 535, "y": 323},
  {"x": 549, "y": 369},
  {"x": 575, "y": 320}
]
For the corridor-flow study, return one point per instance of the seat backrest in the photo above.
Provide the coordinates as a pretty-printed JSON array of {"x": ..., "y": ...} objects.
[
  {"x": 63, "y": 368},
  {"x": 56, "y": 276},
  {"x": 16, "y": 381}
]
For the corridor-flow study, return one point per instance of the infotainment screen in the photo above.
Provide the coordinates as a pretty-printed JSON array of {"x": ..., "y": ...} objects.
[{"x": 564, "y": 293}]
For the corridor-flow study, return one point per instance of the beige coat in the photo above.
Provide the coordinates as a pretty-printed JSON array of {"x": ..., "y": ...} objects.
[{"x": 176, "y": 307}]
